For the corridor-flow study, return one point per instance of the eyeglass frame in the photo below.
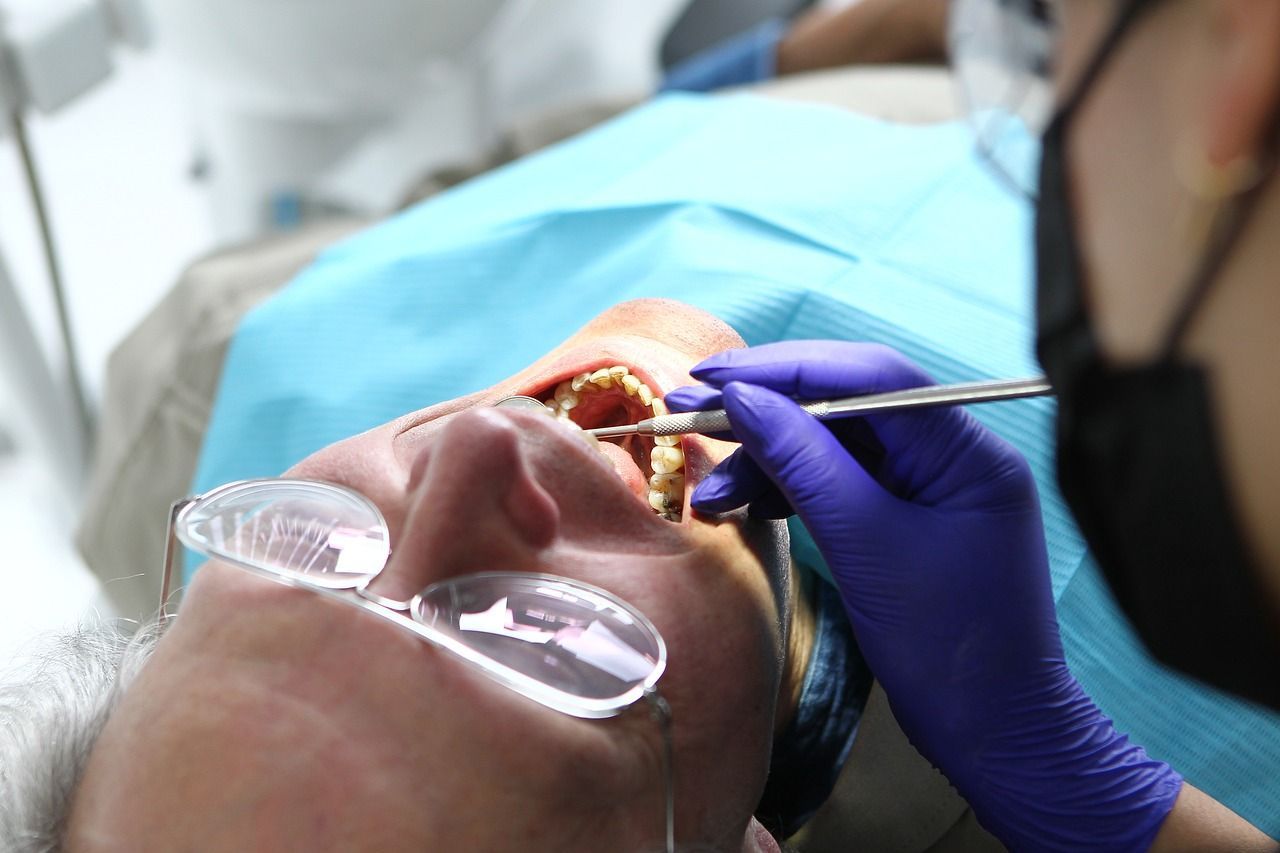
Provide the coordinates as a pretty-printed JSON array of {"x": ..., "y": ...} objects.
[
  {"x": 1011, "y": 105},
  {"x": 1126, "y": 16},
  {"x": 399, "y": 613}
]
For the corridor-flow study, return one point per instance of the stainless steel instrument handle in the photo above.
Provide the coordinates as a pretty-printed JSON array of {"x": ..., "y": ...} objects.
[{"x": 717, "y": 420}]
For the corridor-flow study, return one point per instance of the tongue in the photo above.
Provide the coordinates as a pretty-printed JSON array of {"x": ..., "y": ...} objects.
[{"x": 627, "y": 469}]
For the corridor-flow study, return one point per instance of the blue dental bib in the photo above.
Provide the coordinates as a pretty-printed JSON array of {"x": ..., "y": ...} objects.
[{"x": 785, "y": 220}]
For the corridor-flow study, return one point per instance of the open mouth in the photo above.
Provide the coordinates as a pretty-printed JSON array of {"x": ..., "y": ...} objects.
[{"x": 612, "y": 396}]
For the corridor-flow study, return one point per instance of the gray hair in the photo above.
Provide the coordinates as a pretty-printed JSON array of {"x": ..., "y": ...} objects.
[{"x": 51, "y": 713}]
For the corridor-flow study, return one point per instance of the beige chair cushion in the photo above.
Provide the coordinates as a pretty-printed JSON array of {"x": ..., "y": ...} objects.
[
  {"x": 160, "y": 385},
  {"x": 911, "y": 94}
]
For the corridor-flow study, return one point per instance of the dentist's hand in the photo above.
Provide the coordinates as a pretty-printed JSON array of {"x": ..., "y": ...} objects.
[{"x": 931, "y": 527}]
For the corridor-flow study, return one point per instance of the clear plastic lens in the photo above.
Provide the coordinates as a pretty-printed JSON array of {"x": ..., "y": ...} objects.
[
  {"x": 564, "y": 635},
  {"x": 1002, "y": 52},
  {"x": 563, "y": 643},
  {"x": 327, "y": 535}
]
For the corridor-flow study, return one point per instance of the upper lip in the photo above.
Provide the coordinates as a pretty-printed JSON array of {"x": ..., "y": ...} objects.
[
  {"x": 592, "y": 357},
  {"x": 659, "y": 367}
]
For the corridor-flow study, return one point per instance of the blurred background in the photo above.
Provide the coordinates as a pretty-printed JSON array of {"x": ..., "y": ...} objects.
[{"x": 141, "y": 135}]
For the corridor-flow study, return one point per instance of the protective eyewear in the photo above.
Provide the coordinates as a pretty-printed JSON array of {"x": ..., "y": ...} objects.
[
  {"x": 567, "y": 645},
  {"x": 1002, "y": 54}
]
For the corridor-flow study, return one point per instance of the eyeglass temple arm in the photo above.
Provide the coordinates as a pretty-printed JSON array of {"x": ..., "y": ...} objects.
[
  {"x": 170, "y": 555},
  {"x": 661, "y": 713}
]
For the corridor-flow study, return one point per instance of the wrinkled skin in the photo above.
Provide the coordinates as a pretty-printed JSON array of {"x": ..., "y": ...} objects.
[{"x": 272, "y": 719}]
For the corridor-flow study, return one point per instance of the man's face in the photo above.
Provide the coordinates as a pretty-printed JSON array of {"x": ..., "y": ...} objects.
[{"x": 270, "y": 718}]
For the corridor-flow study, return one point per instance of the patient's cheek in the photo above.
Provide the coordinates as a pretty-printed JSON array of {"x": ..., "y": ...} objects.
[
  {"x": 699, "y": 465},
  {"x": 367, "y": 464},
  {"x": 725, "y": 647}
]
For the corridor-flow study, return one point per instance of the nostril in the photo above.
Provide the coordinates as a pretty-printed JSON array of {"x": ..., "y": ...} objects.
[
  {"x": 533, "y": 513},
  {"x": 527, "y": 505}
]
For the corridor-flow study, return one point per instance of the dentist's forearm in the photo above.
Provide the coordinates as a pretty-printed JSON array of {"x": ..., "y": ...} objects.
[
  {"x": 870, "y": 32},
  {"x": 1202, "y": 824}
]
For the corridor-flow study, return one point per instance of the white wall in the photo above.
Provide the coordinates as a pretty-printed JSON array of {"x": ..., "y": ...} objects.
[
  {"x": 128, "y": 217},
  {"x": 310, "y": 102}
]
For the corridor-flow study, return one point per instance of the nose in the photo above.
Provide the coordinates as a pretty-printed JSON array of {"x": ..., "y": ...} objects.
[{"x": 474, "y": 505}]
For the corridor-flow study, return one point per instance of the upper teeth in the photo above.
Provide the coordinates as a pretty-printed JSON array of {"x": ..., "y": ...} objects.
[{"x": 666, "y": 486}]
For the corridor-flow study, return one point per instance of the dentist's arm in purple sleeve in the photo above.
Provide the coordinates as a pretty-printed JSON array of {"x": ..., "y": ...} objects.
[{"x": 932, "y": 530}]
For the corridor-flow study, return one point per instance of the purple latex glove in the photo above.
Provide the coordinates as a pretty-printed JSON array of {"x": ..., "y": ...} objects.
[{"x": 932, "y": 529}]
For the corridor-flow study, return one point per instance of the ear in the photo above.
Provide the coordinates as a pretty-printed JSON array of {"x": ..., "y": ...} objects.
[{"x": 1246, "y": 81}]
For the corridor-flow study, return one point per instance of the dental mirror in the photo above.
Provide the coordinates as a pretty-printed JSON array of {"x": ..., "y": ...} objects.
[{"x": 519, "y": 401}]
